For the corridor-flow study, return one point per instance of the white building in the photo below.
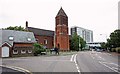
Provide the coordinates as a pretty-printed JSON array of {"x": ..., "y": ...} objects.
[
  {"x": 86, "y": 34},
  {"x": 119, "y": 15}
]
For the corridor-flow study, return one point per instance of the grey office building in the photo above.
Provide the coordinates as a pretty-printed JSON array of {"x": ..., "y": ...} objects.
[
  {"x": 86, "y": 34},
  {"x": 119, "y": 15}
]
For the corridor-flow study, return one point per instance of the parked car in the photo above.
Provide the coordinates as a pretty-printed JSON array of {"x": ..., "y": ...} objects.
[{"x": 99, "y": 50}]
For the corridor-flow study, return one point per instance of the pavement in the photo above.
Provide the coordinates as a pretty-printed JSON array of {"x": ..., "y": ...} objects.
[{"x": 75, "y": 63}]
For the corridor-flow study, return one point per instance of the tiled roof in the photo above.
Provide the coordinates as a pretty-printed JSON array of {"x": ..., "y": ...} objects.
[
  {"x": 40, "y": 32},
  {"x": 18, "y": 36}
]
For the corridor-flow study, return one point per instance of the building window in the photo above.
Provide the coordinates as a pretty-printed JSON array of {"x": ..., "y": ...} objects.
[
  {"x": 29, "y": 51},
  {"x": 15, "y": 51},
  {"x": 11, "y": 38},
  {"x": 45, "y": 41},
  {"x": 23, "y": 51}
]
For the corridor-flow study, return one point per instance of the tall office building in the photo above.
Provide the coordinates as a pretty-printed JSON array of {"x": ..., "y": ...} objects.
[
  {"x": 86, "y": 34},
  {"x": 119, "y": 15}
]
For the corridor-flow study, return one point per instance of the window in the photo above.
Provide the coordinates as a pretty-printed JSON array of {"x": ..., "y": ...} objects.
[
  {"x": 29, "y": 39},
  {"x": 23, "y": 51},
  {"x": 15, "y": 51},
  {"x": 29, "y": 51},
  {"x": 45, "y": 41},
  {"x": 11, "y": 38}
]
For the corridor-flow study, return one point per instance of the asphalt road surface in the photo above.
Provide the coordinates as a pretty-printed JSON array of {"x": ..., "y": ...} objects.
[
  {"x": 4, "y": 70},
  {"x": 82, "y": 62}
]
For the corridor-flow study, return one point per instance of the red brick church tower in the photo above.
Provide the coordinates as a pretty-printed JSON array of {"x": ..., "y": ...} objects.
[{"x": 61, "y": 31}]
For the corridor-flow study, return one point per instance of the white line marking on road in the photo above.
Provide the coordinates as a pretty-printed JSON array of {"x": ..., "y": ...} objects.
[
  {"x": 109, "y": 67},
  {"x": 75, "y": 58},
  {"x": 71, "y": 59},
  {"x": 17, "y": 68},
  {"x": 101, "y": 58},
  {"x": 78, "y": 70},
  {"x": 56, "y": 60},
  {"x": 92, "y": 56},
  {"x": 111, "y": 63}
]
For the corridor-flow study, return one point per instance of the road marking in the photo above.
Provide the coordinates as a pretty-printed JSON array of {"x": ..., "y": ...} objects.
[
  {"x": 92, "y": 56},
  {"x": 55, "y": 60},
  {"x": 101, "y": 58},
  {"x": 75, "y": 58},
  {"x": 17, "y": 69},
  {"x": 71, "y": 59},
  {"x": 111, "y": 63},
  {"x": 109, "y": 67}
]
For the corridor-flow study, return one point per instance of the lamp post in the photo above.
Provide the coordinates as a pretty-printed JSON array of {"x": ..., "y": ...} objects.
[
  {"x": 105, "y": 36},
  {"x": 79, "y": 43}
]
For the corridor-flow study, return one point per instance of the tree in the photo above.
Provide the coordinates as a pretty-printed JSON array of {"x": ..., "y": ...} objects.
[
  {"x": 18, "y": 28},
  {"x": 104, "y": 45},
  {"x": 114, "y": 40},
  {"x": 82, "y": 43},
  {"x": 75, "y": 41},
  {"x": 38, "y": 49}
]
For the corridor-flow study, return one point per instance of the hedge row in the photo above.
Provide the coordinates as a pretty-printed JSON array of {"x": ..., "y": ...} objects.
[{"x": 116, "y": 49}]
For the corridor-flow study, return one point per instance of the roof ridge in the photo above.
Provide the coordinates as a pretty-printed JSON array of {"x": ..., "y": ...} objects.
[{"x": 41, "y": 29}]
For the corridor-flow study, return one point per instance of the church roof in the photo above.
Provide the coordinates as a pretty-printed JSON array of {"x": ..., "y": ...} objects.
[
  {"x": 41, "y": 32},
  {"x": 61, "y": 12}
]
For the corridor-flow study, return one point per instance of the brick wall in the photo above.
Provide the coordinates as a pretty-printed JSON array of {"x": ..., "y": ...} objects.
[{"x": 41, "y": 40}]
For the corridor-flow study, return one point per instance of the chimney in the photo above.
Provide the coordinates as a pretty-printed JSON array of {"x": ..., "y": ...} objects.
[{"x": 26, "y": 26}]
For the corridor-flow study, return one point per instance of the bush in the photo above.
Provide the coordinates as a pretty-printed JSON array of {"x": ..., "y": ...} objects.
[
  {"x": 38, "y": 49},
  {"x": 118, "y": 49},
  {"x": 113, "y": 49}
]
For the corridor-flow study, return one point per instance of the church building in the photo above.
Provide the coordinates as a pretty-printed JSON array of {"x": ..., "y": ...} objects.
[{"x": 58, "y": 38}]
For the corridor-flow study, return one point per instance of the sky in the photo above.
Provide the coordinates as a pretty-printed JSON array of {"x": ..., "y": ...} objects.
[{"x": 100, "y": 16}]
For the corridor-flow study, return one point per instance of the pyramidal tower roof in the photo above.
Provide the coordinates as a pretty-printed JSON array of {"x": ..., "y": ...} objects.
[{"x": 61, "y": 12}]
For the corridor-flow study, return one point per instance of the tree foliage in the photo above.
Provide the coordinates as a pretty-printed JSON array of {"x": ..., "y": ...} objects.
[
  {"x": 18, "y": 28},
  {"x": 82, "y": 43},
  {"x": 114, "y": 40},
  {"x": 38, "y": 48},
  {"x": 75, "y": 41}
]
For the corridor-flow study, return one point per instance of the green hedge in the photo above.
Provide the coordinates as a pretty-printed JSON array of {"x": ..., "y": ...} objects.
[
  {"x": 118, "y": 49},
  {"x": 113, "y": 49}
]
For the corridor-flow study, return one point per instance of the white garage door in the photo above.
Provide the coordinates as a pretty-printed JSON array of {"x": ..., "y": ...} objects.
[{"x": 5, "y": 51}]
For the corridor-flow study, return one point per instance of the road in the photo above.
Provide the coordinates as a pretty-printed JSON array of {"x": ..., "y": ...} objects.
[
  {"x": 82, "y": 62},
  {"x": 5, "y": 70}
]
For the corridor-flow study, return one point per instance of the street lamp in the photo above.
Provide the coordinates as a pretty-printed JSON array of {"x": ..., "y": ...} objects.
[
  {"x": 105, "y": 36},
  {"x": 79, "y": 43}
]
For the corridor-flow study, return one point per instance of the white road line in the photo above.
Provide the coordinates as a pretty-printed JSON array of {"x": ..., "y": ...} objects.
[
  {"x": 56, "y": 60},
  {"x": 71, "y": 59},
  {"x": 101, "y": 58},
  {"x": 111, "y": 63},
  {"x": 75, "y": 57},
  {"x": 17, "y": 68},
  {"x": 109, "y": 67},
  {"x": 92, "y": 56}
]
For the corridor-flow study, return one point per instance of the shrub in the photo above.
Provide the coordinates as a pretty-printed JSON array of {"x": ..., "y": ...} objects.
[
  {"x": 113, "y": 49},
  {"x": 118, "y": 49},
  {"x": 38, "y": 49}
]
